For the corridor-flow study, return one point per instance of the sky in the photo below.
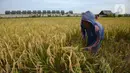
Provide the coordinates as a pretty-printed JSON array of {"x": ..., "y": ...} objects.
[{"x": 77, "y": 6}]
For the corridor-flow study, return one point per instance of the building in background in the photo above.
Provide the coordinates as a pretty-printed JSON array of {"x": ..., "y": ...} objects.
[{"x": 105, "y": 13}]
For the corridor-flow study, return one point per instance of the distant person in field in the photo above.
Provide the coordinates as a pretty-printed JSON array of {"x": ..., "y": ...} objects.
[{"x": 92, "y": 31}]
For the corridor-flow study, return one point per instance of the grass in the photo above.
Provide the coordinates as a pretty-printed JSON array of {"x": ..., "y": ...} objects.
[{"x": 53, "y": 45}]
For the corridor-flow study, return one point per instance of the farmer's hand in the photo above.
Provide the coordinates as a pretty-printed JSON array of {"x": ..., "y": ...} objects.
[{"x": 89, "y": 48}]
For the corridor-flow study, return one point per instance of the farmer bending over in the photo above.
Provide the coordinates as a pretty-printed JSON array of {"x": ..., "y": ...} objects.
[{"x": 93, "y": 31}]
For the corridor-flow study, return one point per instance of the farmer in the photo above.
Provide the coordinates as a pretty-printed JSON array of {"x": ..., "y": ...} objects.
[{"x": 92, "y": 31}]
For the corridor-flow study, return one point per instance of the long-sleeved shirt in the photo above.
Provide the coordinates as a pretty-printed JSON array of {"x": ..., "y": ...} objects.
[{"x": 94, "y": 33}]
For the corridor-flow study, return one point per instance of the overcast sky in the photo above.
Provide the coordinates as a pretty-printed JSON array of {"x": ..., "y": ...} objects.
[{"x": 76, "y": 5}]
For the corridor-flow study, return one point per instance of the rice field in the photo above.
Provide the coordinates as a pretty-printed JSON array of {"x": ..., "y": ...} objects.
[{"x": 54, "y": 45}]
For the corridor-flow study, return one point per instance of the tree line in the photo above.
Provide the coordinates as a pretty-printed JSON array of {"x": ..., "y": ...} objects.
[{"x": 62, "y": 12}]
